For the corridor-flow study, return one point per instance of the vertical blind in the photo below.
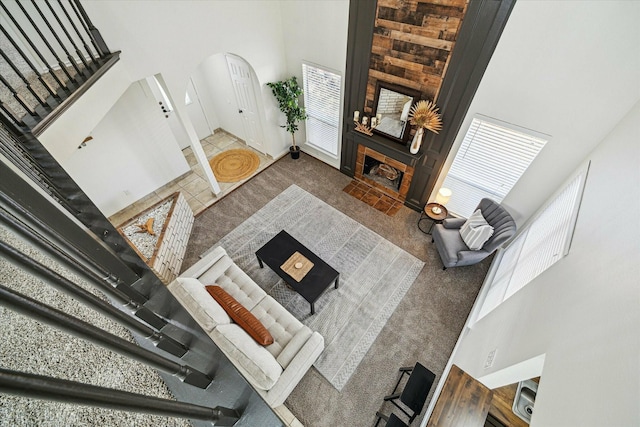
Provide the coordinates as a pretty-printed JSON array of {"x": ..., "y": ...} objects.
[
  {"x": 544, "y": 242},
  {"x": 322, "y": 103},
  {"x": 489, "y": 162}
]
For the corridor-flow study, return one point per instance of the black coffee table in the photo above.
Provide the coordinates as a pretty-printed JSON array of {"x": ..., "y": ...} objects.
[{"x": 279, "y": 249}]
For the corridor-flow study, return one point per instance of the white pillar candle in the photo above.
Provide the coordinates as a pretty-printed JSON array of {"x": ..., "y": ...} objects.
[
  {"x": 365, "y": 120},
  {"x": 379, "y": 117},
  {"x": 356, "y": 115},
  {"x": 374, "y": 122}
]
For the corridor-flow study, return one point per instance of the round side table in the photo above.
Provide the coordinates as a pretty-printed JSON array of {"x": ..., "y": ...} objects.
[{"x": 428, "y": 214}]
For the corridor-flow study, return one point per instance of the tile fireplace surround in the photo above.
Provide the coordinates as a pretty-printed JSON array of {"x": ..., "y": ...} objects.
[{"x": 406, "y": 170}]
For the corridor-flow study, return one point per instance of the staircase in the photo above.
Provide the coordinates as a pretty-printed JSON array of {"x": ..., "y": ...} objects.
[{"x": 50, "y": 55}]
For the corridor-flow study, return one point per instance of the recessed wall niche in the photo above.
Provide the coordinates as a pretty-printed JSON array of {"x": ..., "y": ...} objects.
[{"x": 412, "y": 44}]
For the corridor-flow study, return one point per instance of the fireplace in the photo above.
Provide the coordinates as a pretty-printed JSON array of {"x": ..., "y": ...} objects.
[
  {"x": 388, "y": 175},
  {"x": 382, "y": 173}
]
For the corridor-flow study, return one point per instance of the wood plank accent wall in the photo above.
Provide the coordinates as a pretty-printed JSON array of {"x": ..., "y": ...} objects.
[
  {"x": 475, "y": 41},
  {"x": 412, "y": 44}
]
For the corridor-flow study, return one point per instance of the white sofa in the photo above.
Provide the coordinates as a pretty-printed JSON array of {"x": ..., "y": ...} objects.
[{"x": 273, "y": 370}]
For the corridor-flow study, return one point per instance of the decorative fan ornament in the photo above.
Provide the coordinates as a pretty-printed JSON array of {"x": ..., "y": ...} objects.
[{"x": 425, "y": 114}]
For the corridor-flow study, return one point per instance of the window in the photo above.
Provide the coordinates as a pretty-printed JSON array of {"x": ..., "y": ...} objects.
[
  {"x": 322, "y": 103},
  {"x": 541, "y": 244},
  {"x": 492, "y": 158}
]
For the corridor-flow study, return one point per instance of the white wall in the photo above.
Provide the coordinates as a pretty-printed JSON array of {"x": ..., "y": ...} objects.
[
  {"x": 133, "y": 152},
  {"x": 562, "y": 70},
  {"x": 160, "y": 92},
  {"x": 196, "y": 112},
  {"x": 174, "y": 37},
  {"x": 583, "y": 312},
  {"x": 64, "y": 135},
  {"x": 216, "y": 93},
  {"x": 316, "y": 32}
]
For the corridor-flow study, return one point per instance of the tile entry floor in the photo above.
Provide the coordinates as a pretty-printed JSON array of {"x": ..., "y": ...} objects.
[{"x": 193, "y": 184}]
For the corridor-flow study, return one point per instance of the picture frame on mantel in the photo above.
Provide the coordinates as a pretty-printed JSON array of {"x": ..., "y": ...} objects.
[{"x": 391, "y": 104}]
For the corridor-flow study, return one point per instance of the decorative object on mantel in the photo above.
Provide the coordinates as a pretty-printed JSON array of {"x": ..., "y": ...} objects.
[
  {"x": 234, "y": 165},
  {"x": 365, "y": 126},
  {"x": 442, "y": 198},
  {"x": 171, "y": 221},
  {"x": 424, "y": 114},
  {"x": 287, "y": 93}
]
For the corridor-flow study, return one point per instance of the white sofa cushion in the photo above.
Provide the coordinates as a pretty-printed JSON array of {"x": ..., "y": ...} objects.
[
  {"x": 226, "y": 274},
  {"x": 289, "y": 334},
  {"x": 195, "y": 298},
  {"x": 253, "y": 360}
]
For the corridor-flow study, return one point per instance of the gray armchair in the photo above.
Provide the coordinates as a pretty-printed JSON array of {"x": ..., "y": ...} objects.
[{"x": 452, "y": 249}]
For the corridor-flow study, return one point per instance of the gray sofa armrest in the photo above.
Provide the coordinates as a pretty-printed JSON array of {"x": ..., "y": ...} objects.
[
  {"x": 453, "y": 222},
  {"x": 471, "y": 257}
]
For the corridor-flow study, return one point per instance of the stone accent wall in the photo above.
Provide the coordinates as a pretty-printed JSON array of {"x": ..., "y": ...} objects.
[{"x": 412, "y": 44}]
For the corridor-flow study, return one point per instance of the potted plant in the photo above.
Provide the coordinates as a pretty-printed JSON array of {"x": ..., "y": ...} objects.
[{"x": 287, "y": 93}]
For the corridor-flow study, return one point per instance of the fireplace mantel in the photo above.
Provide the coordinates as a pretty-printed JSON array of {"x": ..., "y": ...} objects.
[
  {"x": 387, "y": 147},
  {"x": 475, "y": 42}
]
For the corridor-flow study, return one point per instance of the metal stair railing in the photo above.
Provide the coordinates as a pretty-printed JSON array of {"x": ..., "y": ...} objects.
[
  {"x": 60, "y": 64},
  {"x": 60, "y": 320},
  {"x": 63, "y": 284},
  {"x": 43, "y": 387},
  {"x": 79, "y": 263},
  {"x": 27, "y": 153}
]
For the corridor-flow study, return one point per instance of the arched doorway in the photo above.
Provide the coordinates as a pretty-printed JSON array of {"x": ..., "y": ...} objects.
[{"x": 224, "y": 94}]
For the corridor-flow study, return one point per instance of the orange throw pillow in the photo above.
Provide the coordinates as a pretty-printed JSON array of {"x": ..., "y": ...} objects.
[{"x": 243, "y": 317}]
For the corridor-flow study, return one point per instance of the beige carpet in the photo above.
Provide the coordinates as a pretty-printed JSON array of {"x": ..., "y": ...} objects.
[
  {"x": 375, "y": 275},
  {"x": 423, "y": 328},
  {"x": 234, "y": 165}
]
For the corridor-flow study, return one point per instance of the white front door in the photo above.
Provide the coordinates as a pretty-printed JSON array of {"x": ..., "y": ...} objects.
[{"x": 247, "y": 106}]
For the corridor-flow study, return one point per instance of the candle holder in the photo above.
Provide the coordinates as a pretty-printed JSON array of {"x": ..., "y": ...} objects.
[{"x": 365, "y": 126}]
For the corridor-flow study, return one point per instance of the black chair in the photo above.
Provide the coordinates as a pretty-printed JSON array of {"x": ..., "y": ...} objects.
[
  {"x": 415, "y": 391},
  {"x": 392, "y": 420}
]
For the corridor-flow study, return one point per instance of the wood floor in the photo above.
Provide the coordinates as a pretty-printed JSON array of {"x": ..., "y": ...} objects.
[{"x": 464, "y": 401}]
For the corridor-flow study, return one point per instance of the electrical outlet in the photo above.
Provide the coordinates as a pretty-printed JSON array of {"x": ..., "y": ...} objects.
[{"x": 490, "y": 358}]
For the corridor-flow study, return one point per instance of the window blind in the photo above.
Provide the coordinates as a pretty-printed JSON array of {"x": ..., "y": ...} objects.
[
  {"x": 322, "y": 104},
  {"x": 545, "y": 241},
  {"x": 491, "y": 159}
]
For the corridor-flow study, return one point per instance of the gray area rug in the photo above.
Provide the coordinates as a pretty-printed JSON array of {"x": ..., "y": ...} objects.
[{"x": 375, "y": 274}]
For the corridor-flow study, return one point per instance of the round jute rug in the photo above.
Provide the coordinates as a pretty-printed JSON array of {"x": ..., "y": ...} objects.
[{"x": 234, "y": 165}]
